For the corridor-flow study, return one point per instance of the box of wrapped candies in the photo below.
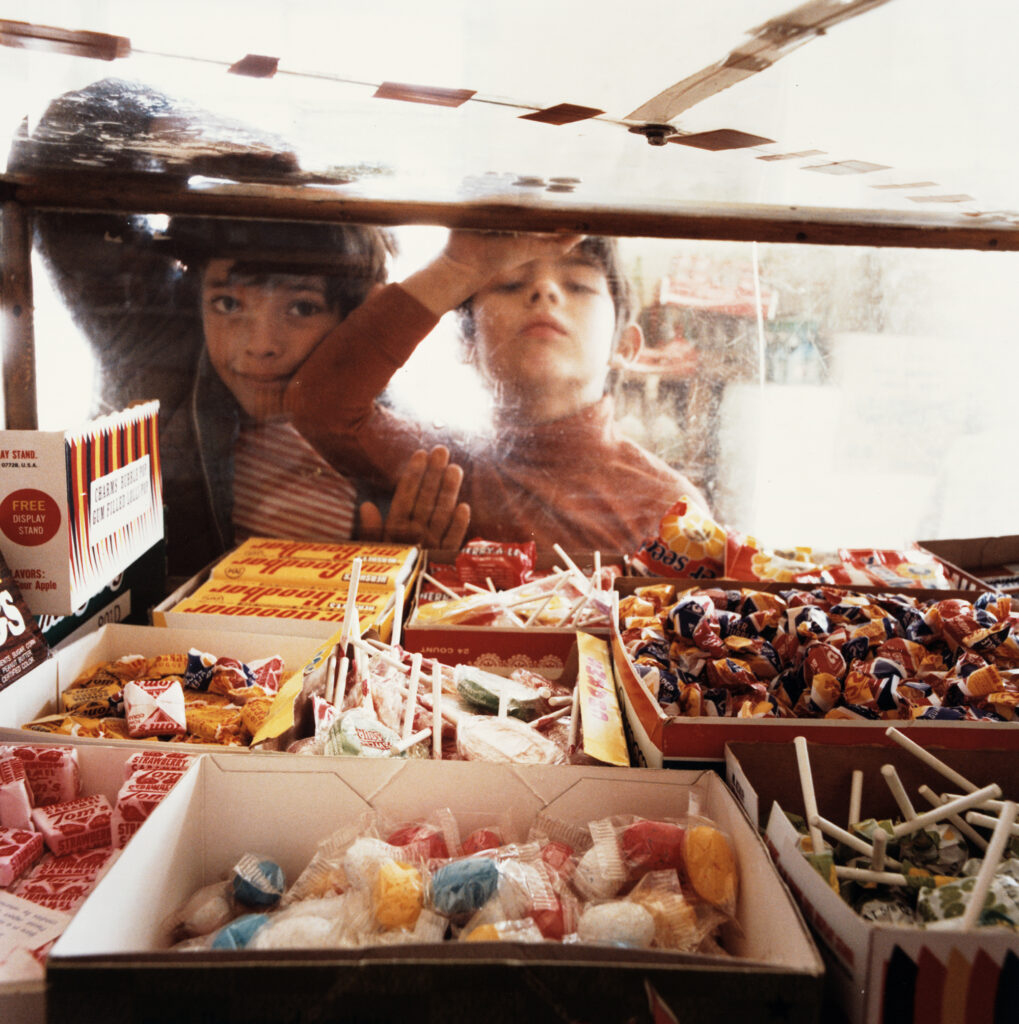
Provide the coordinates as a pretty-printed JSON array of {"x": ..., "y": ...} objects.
[
  {"x": 313, "y": 889},
  {"x": 904, "y": 861},
  {"x": 505, "y": 606},
  {"x": 65, "y": 815},
  {"x": 703, "y": 664},
  {"x": 142, "y": 684}
]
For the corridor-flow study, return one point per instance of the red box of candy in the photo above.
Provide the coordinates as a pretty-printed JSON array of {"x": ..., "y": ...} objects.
[
  {"x": 440, "y": 890},
  {"x": 506, "y": 606},
  {"x": 701, "y": 664}
]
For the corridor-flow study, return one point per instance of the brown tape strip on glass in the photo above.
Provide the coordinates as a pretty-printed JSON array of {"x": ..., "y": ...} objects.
[
  {"x": 423, "y": 94},
  {"x": 22, "y": 35},
  {"x": 562, "y": 113},
  {"x": 721, "y": 138},
  {"x": 253, "y": 65}
]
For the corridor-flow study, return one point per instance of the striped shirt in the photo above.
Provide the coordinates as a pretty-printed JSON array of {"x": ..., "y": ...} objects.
[{"x": 284, "y": 488}]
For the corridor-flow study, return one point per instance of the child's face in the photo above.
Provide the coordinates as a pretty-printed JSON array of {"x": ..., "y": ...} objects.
[
  {"x": 547, "y": 324},
  {"x": 258, "y": 334}
]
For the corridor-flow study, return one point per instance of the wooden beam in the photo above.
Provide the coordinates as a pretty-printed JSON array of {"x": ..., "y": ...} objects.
[
  {"x": 18, "y": 334},
  {"x": 85, "y": 191}
]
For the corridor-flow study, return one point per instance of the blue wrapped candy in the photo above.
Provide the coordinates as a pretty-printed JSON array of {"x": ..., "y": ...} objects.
[
  {"x": 239, "y": 932},
  {"x": 464, "y": 886},
  {"x": 257, "y": 882}
]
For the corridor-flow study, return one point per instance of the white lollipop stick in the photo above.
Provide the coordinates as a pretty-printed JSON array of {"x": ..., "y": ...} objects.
[
  {"x": 544, "y": 604},
  {"x": 880, "y": 839},
  {"x": 863, "y": 875},
  {"x": 854, "y": 842},
  {"x": 574, "y": 721},
  {"x": 596, "y": 575},
  {"x": 988, "y": 805},
  {"x": 540, "y": 723},
  {"x": 987, "y": 821},
  {"x": 374, "y": 650},
  {"x": 891, "y": 776},
  {"x": 412, "y": 741},
  {"x": 567, "y": 561},
  {"x": 350, "y": 612},
  {"x": 970, "y": 833},
  {"x": 340, "y": 680},
  {"x": 573, "y": 609},
  {"x": 440, "y": 586},
  {"x": 397, "y": 615},
  {"x": 503, "y": 701},
  {"x": 855, "y": 796},
  {"x": 964, "y": 803},
  {"x": 992, "y": 858},
  {"x": 929, "y": 759},
  {"x": 412, "y": 695},
  {"x": 436, "y": 711},
  {"x": 807, "y": 788}
]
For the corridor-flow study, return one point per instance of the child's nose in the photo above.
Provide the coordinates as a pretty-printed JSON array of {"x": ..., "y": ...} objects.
[
  {"x": 261, "y": 338},
  {"x": 545, "y": 288}
]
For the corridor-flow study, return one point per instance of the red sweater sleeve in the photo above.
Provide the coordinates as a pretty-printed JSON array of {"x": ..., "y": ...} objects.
[{"x": 331, "y": 397}]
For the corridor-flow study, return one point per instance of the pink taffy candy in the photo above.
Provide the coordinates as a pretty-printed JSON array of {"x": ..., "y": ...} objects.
[
  {"x": 19, "y": 849},
  {"x": 88, "y": 865},
  {"x": 15, "y": 794},
  {"x": 136, "y": 800},
  {"x": 63, "y": 894},
  {"x": 52, "y": 772},
  {"x": 155, "y": 707},
  {"x": 161, "y": 760},
  {"x": 76, "y": 825}
]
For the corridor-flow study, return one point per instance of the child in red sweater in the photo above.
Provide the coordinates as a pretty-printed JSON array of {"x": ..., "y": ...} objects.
[{"x": 544, "y": 318}]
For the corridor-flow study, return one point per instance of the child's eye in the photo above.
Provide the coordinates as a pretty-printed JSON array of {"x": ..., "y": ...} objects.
[
  {"x": 578, "y": 287},
  {"x": 303, "y": 308},
  {"x": 509, "y": 286},
  {"x": 224, "y": 303}
]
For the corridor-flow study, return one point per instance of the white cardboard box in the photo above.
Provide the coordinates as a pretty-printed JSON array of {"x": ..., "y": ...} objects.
[
  {"x": 102, "y": 771},
  {"x": 113, "y": 960},
  {"x": 38, "y": 693},
  {"x": 879, "y": 974},
  {"x": 79, "y": 506}
]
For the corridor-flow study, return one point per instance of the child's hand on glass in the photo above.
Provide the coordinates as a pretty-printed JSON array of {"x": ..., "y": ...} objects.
[{"x": 424, "y": 509}]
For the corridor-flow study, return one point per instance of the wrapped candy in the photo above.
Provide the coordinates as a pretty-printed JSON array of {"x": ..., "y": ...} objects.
[{"x": 824, "y": 653}]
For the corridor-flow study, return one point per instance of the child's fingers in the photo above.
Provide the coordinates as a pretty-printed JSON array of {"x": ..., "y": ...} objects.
[
  {"x": 444, "y": 505},
  {"x": 432, "y": 485},
  {"x": 456, "y": 532},
  {"x": 405, "y": 496},
  {"x": 369, "y": 522}
]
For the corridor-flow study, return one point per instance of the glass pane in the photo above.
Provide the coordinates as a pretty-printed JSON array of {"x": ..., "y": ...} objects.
[{"x": 822, "y": 396}]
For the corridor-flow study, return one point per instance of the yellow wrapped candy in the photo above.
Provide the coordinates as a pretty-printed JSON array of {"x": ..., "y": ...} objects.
[{"x": 398, "y": 894}]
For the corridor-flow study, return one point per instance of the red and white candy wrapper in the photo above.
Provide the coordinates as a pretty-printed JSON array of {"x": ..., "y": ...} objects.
[
  {"x": 88, "y": 865},
  {"x": 157, "y": 760},
  {"x": 19, "y": 849},
  {"x": 136, "y": 800},
  {"x": 64, "y": 894},
  {"x": 267, "y": 673},
  {"x": 52, "y": 772},
  {"x": 80, "y": 824},
  {"x": 155, "y": 707},
  {"x": 15, "y": 794}
]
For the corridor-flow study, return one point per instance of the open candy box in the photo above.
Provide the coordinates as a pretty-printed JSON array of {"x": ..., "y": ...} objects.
[{"x": 117, "y": 955}]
